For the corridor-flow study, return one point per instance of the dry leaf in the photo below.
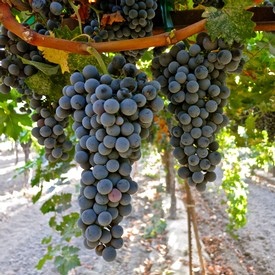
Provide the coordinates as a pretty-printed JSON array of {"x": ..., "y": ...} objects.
[
  {"x": 110, "y": 18},
  {"x": 56, "y": 56}
]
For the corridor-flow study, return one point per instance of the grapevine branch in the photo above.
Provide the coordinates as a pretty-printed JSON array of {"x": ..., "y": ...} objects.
[
  {"x": 158, "y": 40},
  {"x": 33, "y": 38}
]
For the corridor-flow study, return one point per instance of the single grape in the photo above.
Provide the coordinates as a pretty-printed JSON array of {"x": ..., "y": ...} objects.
[
  {"x": 109, "y": 254},
  {"x": 88, "y": 216},
  {"x": 104, "y": 218},
  {"x": 93, "y": 233},
  {"x": 56, "y": 8},
  {"x": 105, "y": 238},
  {"x": 115, "y": 195}
]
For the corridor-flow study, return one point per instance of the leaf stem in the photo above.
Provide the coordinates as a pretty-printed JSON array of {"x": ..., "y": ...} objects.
[
  {"x": 99, "y": 59},
  {"x": 76, "y": 9}
]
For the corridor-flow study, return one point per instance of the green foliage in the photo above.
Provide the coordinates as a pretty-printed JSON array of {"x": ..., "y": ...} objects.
[
  {"x": 263, "y": 154},
  {"x": 235, "y": 169},
  {"x": 46, "y": 69},
  {"x": 67, "y": 226},
  {"x": 183, "y": 4},
  {"x": 157, "y": 227},
  {"x": 12, "y": 122},
  {"x": 232, "y": 23},
  {"x": 50, "y": 86},
  {"x": 64, "y": 255},
  {"x": 77, "y": 62},
  {"x": 157, "y": 224},
  {"x": 66, "y": 33},
  {"x": 57, "y": 203},
  {"x": 236, "y": 194},
  {"x": 253, "y": 91},
  {"x": 65, "y": 258}
]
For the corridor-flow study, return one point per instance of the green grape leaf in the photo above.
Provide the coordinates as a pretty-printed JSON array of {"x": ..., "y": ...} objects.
[
  {"x": 239, "y": 4},
  {"x": 46, "y": 240},
  {"x": 57, "y": 203},
  {"x": 68, "y": 226},
  {"x": 231, "y": 24},
  {"x": 38, "y": 195},
  {"x": 47, "y": 69},
  {"x": 50, "y": 86},
  {"x": 3, "y": 117},
  {"x": 14, "y": 122},
  {"x": 67, "y": 260},
  {"x": 77, "y": 62},
  {"x": 250, "y": 125},
  {"x": 52, "y": 222},
  {"x": 65, "y": 32},
  {"x": 43, "y": 260}
]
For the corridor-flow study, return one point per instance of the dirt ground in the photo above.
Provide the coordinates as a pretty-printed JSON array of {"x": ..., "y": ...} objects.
[{"x": 22, "y": 226}]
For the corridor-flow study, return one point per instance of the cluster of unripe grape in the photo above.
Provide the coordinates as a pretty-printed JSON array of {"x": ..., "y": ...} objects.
[
  {"x": 194, "y": 81},
  {"x": 112, "y": 113}
]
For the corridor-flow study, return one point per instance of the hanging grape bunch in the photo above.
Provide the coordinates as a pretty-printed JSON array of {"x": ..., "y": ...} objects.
[
  {"x": 112, "y": 113},
  {"x": 49, "y": 129},
  {"x": 194, "y": 81},
  {"x": 13, "y": 71},
  {"x": 135, "y": 20}
]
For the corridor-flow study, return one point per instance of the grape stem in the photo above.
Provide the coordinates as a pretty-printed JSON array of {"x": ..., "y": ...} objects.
[
  {"x": 158, "y": 40},
  {"x": 33, "y": 38}
]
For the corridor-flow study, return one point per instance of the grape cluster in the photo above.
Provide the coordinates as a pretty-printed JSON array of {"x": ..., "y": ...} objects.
[
  {"x": 266, "y": 122},
  {"x": 49, "y": 130},
  {"x": 12, "y": 70},
  {"x": 53, "y": 11},
  {"x": 194, "y": 82},
  {"x": 138, "y": 16},
  {"x": 112, "y": 113},
  {"x": 209, "y": 3}
]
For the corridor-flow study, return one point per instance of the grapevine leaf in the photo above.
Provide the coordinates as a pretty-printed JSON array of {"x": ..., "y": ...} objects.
[
  {"x": 66, "y": 33},
  {"x": 272, "y": 49},
  {"x": 48, "y": 85},
  {"x": 43, "y": 260},
  {"x": 47, "y": 257},
  {"x": 57, "y": 203},
  {"x": 68, "y": 226},
  {"x": 46, "y": 240},
  {"x": 56, "y": 56},
  {"x": 47, "y": 69},
  {"x": 250, "y": 125},
  {"x": 68, "y": 259},
  {"x": 38, "y": 195},
  {"x": 14, "y": 123},
  {"x": 239, "y": 4},
  {"x": 3, "y": 117},
  {"x": 231, "y": 24},
  {"x": 78, "y": 62},
  {"x": 52, "y": 222}
]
